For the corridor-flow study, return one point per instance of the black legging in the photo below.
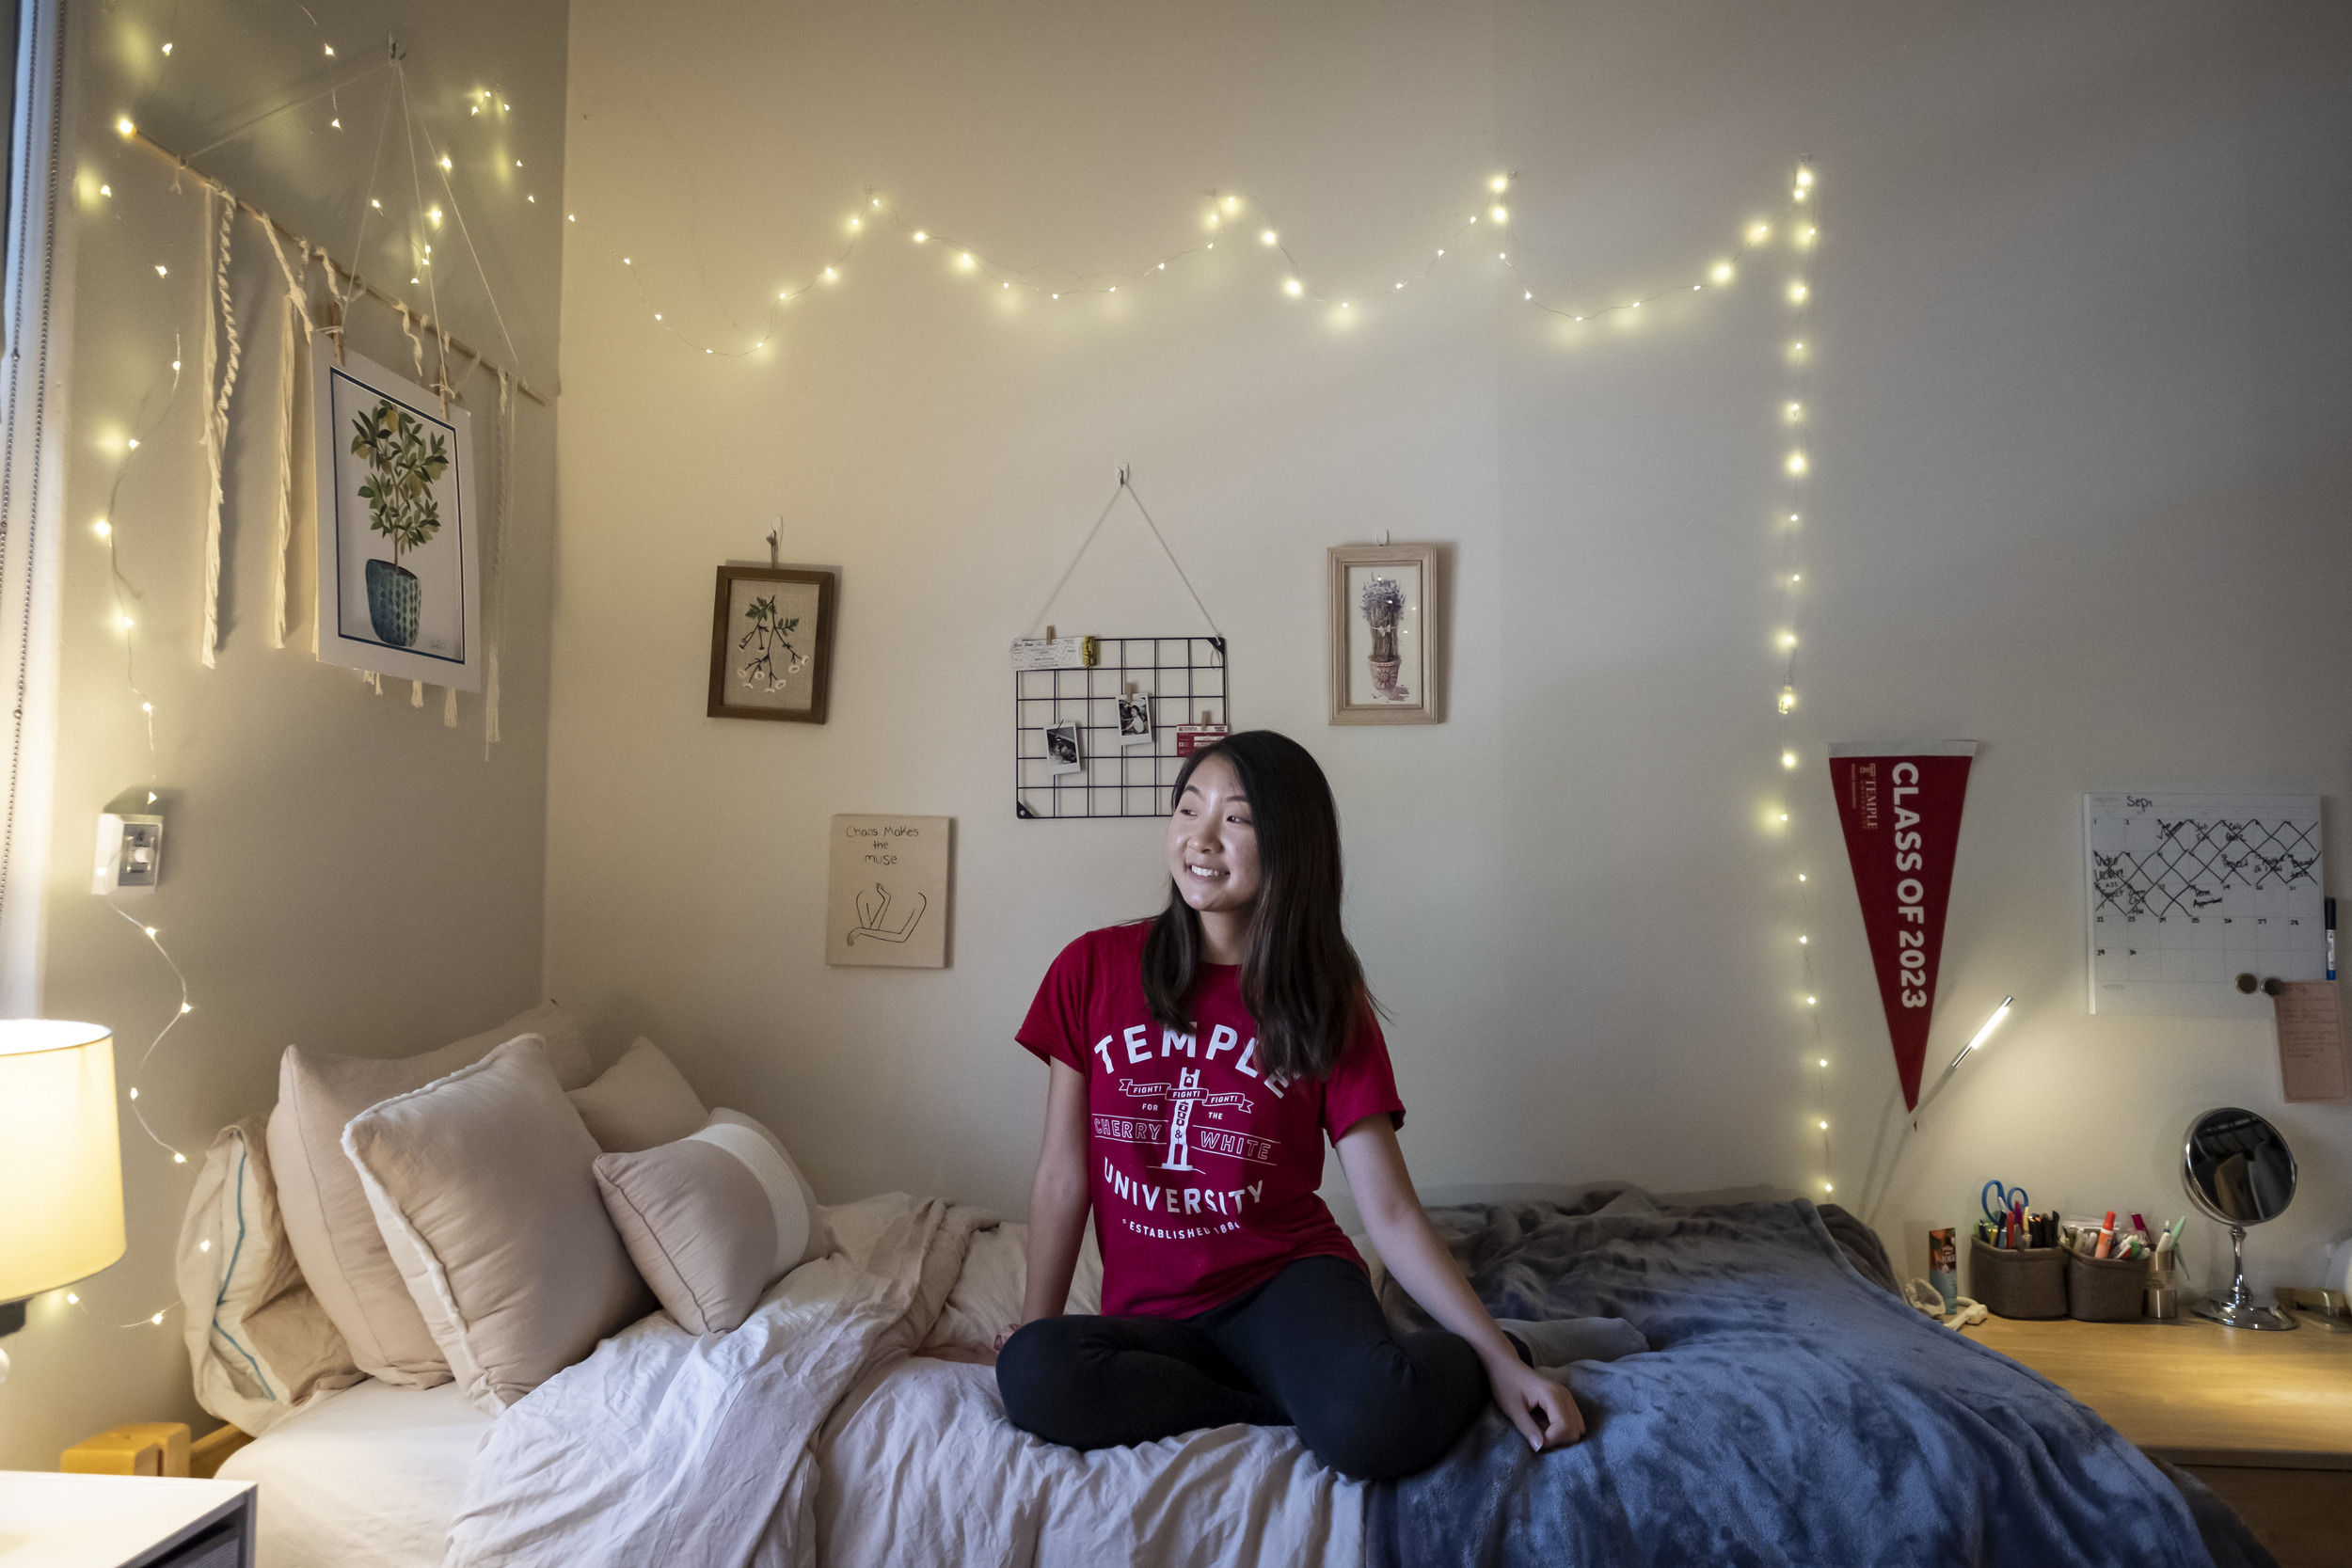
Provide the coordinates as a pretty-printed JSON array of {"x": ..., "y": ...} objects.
[{"x": 1309, "y": 1349}]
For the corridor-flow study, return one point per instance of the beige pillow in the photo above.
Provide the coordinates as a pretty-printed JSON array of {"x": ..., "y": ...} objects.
[
  {"x": 483, "y": 1187},
  {"x": 714, "y": 1219},
  {"x": 327, "y": 1220},
  {"x": 640, "y": 1100}
]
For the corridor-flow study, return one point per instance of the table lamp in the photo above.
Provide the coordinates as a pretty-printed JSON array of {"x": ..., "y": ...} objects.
[{"x": 60, "y": 1159}]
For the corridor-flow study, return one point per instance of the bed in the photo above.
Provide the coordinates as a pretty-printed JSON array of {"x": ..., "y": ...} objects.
[
  {"x": 376, "y": 1477},
  {"x": 1792, "y": 1410}
]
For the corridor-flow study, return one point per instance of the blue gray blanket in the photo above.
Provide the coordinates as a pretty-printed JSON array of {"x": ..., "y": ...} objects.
[{"x": 1789, "y": 1412}]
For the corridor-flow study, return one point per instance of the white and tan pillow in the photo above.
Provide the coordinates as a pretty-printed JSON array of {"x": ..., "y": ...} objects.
[
  {"x": 714, "y": 1219},
  {"x": 483, "y": 1186},
  {"x": 259, "y": 1343},
  {"x": 329, "y": 1222},
  {"x": 639, "y": 1100}
]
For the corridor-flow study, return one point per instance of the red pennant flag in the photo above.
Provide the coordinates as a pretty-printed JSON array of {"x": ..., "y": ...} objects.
[{"x": 1900, "y": 807}]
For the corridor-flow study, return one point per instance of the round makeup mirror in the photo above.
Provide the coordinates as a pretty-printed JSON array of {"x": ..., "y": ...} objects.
[{"x": 2238, "y": 1169}]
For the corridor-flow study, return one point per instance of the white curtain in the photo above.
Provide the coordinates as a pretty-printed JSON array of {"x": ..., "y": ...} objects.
[{"x": 35, "y": 314}]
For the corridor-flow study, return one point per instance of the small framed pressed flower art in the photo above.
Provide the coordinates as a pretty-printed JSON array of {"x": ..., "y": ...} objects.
[
  {"x": 1384, "y": 634},
  {"x": 771, "y": 643}
]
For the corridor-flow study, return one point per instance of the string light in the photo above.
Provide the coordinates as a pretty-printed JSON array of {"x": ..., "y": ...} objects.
[
  {"x": 1055, "y": 282},
  {"x": 105, "y": 531},
  {"x": 1795, "y": 466}
]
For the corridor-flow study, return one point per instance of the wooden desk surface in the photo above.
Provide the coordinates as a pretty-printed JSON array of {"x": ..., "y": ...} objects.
[{"x": 2196, "y": 1393}]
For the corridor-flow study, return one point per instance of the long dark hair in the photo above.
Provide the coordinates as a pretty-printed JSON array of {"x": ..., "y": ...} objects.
[{"x": 1299, "y": 977}]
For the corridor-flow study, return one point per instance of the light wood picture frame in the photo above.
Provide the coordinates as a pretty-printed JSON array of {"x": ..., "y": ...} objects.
[
  {"x": 1386, "y": 635},
  {"x": 771, "y": 643}
]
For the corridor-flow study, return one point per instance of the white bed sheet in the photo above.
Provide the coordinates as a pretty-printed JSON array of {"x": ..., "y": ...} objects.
[
  {"x": 916, "y": 1463},
  {"x": 369, "y": 1478}
]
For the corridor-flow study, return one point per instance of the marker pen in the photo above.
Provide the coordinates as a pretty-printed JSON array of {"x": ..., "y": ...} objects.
[{"x": 2330, "y": 922}]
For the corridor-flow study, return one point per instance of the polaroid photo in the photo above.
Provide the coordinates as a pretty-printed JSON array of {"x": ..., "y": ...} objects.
[
  {"x": 1061, "y": 749},
  {"x": 1135, "y": 718}
]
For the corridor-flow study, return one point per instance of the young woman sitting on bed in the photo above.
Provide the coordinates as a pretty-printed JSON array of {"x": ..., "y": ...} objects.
[{"x": 1196, "y": 1062}]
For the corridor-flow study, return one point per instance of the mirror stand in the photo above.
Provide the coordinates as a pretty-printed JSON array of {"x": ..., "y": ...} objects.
[{"x": 2237, "y": 1308}]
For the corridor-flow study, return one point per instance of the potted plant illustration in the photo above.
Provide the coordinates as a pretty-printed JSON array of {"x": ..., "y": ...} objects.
[
  {"x": 1383, "y": 602},
  {"x": 403, "y": 463},
  {"x": 769, "y": 634}
]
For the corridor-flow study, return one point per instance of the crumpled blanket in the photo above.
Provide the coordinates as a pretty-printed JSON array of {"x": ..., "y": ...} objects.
[
  {"x": 1790, "y": 1413},
  {"x": 666, "y": 1449}
]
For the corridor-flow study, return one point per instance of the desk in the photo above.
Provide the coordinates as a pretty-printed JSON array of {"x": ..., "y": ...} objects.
[
  {"x": 49, "y": 1520},
  {"x": 2265, "y": 1419}
]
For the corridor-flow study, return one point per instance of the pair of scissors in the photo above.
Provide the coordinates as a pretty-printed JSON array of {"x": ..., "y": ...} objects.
[{"x": 2012, "y": 1199}]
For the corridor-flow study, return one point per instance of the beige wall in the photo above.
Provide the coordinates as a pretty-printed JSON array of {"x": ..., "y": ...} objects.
[
  {"x": 2080, "y": 476},
  {"x": 339, "y": 868}
]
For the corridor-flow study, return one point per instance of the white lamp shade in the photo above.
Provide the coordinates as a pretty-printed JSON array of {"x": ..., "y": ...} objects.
[{"x": 60, "y": 1156}]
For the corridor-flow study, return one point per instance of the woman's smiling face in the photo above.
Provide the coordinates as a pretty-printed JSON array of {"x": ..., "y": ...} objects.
[{"x": 1212, "y": 844}]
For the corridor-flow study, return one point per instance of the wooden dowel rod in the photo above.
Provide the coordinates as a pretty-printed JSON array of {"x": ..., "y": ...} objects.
[{"x": 450, "y": 340}]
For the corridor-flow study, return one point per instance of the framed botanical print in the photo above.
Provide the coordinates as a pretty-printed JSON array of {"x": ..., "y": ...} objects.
[
  {"x": 1384, "y": 634},
  {"x": 771, "y": 643},
  {"x": 398, "y": 563}
]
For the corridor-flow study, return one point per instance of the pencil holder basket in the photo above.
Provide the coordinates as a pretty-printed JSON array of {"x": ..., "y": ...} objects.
[
  {"x": 2018, "y": 1282},
  {"x": 2106, "y": 1290}
]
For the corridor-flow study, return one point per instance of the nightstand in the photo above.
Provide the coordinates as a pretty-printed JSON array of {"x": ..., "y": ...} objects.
[
  {"x": 67, "y": 1521},
  {"x": 2265, "y": 1419}
]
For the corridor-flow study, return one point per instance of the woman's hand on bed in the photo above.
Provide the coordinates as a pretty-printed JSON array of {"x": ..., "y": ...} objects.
[
  {"x": 1003, "y": 1335},
  {"x": 1544, "y": 1411}
]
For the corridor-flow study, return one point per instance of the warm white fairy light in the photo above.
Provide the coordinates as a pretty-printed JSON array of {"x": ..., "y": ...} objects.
[
  {"x": 1224, "y": 208},
  {"x": 1795, "y": 465}
]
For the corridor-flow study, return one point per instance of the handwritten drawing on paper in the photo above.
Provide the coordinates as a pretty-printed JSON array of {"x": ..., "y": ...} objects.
[
  {"x": 2312, "y": 1063},
  {"x": 2185, "y": 892},
  {"x": 886, "y": 903}
]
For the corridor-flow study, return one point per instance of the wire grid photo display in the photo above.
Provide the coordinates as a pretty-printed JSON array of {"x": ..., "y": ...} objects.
[{"x": 1183, "y": 678}]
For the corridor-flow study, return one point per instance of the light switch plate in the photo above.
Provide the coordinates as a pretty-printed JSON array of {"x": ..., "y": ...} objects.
[{"x": 130, "y": 853}]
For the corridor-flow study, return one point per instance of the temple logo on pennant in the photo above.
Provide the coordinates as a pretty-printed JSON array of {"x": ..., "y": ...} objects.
[{"x": 1900, "y": 805}]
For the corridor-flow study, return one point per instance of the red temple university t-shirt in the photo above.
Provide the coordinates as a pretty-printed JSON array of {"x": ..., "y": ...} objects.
[{"x": 1201, "y": 1164}]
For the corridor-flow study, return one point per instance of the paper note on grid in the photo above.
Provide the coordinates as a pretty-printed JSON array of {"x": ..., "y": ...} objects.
[{"x": 2189, "y": 892}]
